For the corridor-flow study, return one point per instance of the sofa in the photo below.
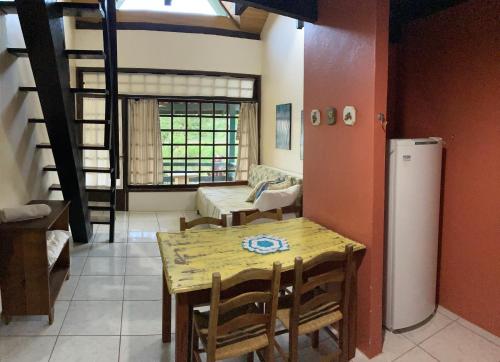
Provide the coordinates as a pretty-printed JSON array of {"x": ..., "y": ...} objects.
[{"x": 230, "y": 200}]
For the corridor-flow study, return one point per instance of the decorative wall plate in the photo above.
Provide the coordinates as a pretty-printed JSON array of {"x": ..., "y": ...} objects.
[
  {"x": 265, "y": 244},
  {"x": 331, "y": 116},
  {"x": 315, "y": 117},
  {"x": 349, "y": 115}
]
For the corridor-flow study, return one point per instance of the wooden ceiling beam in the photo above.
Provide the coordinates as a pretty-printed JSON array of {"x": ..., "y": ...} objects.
[
  {"x": 231, "y": 16},
  {"x": 239, "y": 9}
]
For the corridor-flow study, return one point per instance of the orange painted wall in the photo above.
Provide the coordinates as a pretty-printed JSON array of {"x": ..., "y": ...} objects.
[
  {"x": 449, "y": 86},
  {"x": 346, "y": 64}
]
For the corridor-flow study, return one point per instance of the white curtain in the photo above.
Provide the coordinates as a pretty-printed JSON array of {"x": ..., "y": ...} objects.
[
  {"x": 146, "y": 162},
  {"x": 248, "y": 137}
]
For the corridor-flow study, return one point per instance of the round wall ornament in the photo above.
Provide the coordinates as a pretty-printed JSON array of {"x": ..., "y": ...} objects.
[{"x": 315, "y": 117}]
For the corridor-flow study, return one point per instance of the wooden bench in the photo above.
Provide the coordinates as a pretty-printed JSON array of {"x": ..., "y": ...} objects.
[{"x": 28, "y": 284}]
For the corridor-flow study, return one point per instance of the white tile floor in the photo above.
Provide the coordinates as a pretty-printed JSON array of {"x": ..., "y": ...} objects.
[{"x": 110, "y": 310}]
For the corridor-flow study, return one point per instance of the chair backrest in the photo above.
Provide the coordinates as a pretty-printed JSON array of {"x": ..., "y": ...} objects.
[
  {"x": 265, "y": 290},
  {"x": 202, "y": 221},
  {"x": 276, "y": 214},
  {"x": 331, "y": 269}
]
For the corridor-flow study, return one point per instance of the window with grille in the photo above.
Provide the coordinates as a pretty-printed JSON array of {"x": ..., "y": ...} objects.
[{"x": 199, "y": 141}]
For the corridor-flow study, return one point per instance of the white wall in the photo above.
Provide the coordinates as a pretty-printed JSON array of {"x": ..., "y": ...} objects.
[
  {"x": 165, "y": 50},
  {"x": 20, "y": 163},
  {"x": 162, "y": 201},
  {"x": 279, "y": 58},
  {"x": 282, "y": 82}
]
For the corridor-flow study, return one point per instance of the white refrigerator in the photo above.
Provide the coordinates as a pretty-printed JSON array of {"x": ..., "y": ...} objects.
[{"x": 412, "y": 231}]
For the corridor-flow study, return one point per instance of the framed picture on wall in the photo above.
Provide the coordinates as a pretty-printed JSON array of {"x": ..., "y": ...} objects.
[{"x": 284, "y": 126}]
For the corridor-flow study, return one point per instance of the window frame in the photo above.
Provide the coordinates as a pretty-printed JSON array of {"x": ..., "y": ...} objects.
[
  {"x": 127, "y": 187},
  {"x": 200, "y": 130}
]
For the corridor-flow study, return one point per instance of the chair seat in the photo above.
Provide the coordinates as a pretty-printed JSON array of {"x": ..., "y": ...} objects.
[
  {"x": 317, "y": 318},
  {"x": 236, "y": 343}
]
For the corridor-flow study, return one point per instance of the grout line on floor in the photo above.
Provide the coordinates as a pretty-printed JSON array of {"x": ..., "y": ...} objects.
[
  {"x": 407, "y": 352},
  {"x": 436, "y": 332},
  {"x": 121, "y": 320},
  {"x": 90, "y": 335},
  {"x": 157, "y": 222},
  {"x": 128, "y": 225},
  {"x": 473, "y": 331},
  {"x": 123, "y": 294},
  {"x": 64, "y": 318},
  {"x": 105, "y": 275},
  {"x": 429, "y": 353}
]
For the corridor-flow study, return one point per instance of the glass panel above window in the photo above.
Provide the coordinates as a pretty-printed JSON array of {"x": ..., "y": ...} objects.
[{"x": 176, "y": 85}]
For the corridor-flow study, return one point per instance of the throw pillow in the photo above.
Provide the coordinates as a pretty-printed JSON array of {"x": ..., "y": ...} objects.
[
  {"x": 251, "y": 197},
  {"x": 273, "y": 199},
  {"x": 284, "y": 183},
  {"x": 279, "y": 183}
]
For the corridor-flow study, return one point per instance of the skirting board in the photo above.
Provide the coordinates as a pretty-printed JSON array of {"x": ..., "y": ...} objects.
[{"x": 162, "y": 201}]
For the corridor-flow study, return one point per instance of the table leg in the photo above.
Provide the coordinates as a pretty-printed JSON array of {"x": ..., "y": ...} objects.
[
  {"x": 190, "y": 336},
  {"x": 181, "y": 327},
  {"x": 166, "y": 313}
]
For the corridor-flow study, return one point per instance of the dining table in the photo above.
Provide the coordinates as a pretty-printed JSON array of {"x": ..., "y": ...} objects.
[{"x": 191, "y": 257}]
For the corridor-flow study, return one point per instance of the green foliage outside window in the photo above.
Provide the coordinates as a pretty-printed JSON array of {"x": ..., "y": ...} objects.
[{"x": 199, "y": 141}]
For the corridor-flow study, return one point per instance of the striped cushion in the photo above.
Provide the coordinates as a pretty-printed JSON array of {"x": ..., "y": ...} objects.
[
  {"x": 317, "y": 318},
  {"x": 202, "y": 318},
  {"x": 259, "y": 173}
]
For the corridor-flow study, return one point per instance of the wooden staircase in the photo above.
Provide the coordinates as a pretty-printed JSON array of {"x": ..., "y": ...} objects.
[{"x": 44, "y": 38}]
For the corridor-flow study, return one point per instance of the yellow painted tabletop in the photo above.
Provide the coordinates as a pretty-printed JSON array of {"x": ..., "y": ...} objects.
[{"x": 190, "y": 257}]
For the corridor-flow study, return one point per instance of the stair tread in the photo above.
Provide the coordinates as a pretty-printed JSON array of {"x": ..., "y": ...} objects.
[
  {"x": 57, "y": 187},
  {"x": 89, "y": 90},
  {"x": 85, "y": 169},
  {"x": 73, "y": 90},
  {"x": 99, "y": 219},
  {"x": 18, "y": 52},
  {"x": 92, "y": 146},
  {"x": 97, "y": 169},
  {"x": 8, "y": 7},
  {"x": 70, "y": 53},
  {"x": 85, "y": 121},
  {"x": 84, "y": 54},
  {"x": 43, "y": 145},
  {"x": 84, "y": 10},
  {"x": 100, "y": 205},
  {"x": 36, "y": 120},
  {"x": 93, "y": 121},
  {"x": 83, "y": 146}
]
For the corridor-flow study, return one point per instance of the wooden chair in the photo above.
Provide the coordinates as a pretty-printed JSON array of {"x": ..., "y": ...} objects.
[
  {"x": 320, "y": 299},
  {"x": 203, "y": 221},
  {"x": 235, "y": 326},
  {"x": 277, "y": 214}
]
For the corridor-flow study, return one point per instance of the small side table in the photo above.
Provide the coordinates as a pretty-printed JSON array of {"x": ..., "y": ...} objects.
[{"x": 27, "y": 283}]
